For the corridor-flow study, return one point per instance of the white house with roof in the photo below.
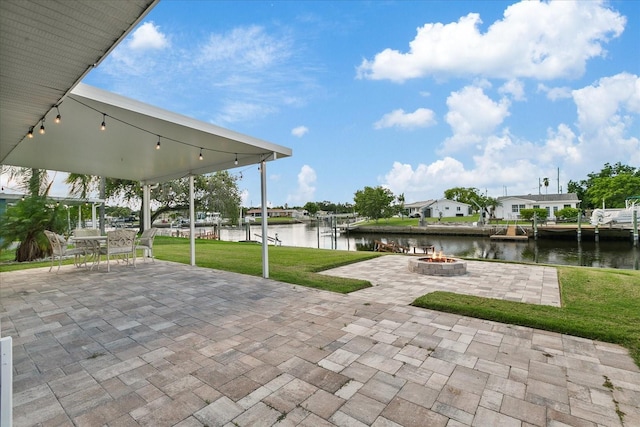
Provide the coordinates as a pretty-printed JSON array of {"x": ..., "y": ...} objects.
[
  {"x": 438, "y": 208},
  {"x": 510, "y": 206}
]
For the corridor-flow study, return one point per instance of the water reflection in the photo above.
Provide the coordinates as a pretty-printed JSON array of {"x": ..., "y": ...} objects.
[{"x": 612, "y": 254}]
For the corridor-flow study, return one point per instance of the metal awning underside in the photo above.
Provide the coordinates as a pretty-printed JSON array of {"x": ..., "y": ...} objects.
[
  {"x": 46, "y": 48},
  {"x": 126, "y": 149}
]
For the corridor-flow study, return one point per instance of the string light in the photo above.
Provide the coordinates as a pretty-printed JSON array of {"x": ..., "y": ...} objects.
[
  {"x": 103, "y": 127},
  {"x": 58, "y": 117},
  {"x": 42, "y": 127},
  {"x": 30, "y": 133}
]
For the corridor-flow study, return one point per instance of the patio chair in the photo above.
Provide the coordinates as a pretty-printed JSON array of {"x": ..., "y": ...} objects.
[
  {"x": 59, "y": 249},
  {"x": 120, "y": 243},
  {"x": 145, "y": 242}
]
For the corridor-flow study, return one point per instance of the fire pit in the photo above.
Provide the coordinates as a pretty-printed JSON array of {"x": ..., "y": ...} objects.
[{"x": 438, "y": 265}]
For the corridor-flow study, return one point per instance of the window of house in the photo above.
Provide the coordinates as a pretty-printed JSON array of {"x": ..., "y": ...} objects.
[
  {"x": 458, "y": 208},
  {"x": 446, "y": 208},
  {"x": 567, "y": 206},
  {"x": 536, "y": 206},
  {"x": 514, "y": 208},
  {"x": 555, "y": 209}
]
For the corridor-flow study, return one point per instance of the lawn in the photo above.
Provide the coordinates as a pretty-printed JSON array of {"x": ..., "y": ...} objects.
[
  {"x": 414, "y": 222},
  {"x": 601, "y": 304}
]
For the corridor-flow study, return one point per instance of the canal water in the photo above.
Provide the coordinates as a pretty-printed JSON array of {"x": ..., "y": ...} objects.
[{"x": 609, "y": 254}]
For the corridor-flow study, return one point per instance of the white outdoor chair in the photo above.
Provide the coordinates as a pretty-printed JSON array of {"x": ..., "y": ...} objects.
[
  {"x": 145, "y": 242},
  {"x": 120, "y": 243},
  {"x": 59, "y": 249}
]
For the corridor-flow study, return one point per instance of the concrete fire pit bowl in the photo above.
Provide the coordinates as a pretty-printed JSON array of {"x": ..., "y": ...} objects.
[{"x": 439, "y": 266}]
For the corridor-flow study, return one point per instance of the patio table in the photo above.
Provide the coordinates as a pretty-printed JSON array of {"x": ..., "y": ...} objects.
[{"x": 92, "y": 246}]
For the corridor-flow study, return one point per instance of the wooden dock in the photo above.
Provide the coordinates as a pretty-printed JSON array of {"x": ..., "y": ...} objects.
[{"x": 511, "y": 234}]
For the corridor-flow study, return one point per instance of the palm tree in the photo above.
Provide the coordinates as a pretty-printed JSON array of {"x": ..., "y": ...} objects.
[
  {"x": 545, "y": 181},
  {"x": 25, "y": 221}
]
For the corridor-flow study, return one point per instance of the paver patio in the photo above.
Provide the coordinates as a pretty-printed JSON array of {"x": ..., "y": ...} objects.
[{"x": 168, "y": 344}]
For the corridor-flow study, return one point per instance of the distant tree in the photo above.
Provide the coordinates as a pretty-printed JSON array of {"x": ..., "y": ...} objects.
[
  {"x": 613, "y": 184},
  {"x": 312, "y": 208},
  {"x": 220, "y": 193},
  {"x": 468, "y": 195},
  {"x": 545, "y": 182},
  {"x": 490, "y": 204},
  {"x": 579, "y": 190},
  {"x": 374, "y": 203},
  {"x": 568, "y": 214},
  {"x": 401, "y": 201},
  {"x": 217, "y": 192},
  {"x": 328, "y": 206}
]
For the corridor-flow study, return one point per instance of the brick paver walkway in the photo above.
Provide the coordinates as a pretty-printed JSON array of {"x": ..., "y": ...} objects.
[
  {"x": 395, "y": 284},
  {"x": 169, "y": 344}
]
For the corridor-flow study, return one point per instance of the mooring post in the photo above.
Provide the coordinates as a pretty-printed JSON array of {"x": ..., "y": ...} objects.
[
  {"x": 597, "y": 234},
  {"x": 579, "y": 226},
  {"x": 535, "y": 226},
  {"x": 635, "y": 227}
]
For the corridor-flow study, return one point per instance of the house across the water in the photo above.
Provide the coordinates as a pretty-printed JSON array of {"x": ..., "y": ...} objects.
[
  {"x": 510, "y": 206},
  {"x": 438, "y": 208}
]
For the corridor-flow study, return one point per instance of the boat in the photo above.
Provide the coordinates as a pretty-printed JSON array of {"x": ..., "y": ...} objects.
[{"x": 617, "y": 216}]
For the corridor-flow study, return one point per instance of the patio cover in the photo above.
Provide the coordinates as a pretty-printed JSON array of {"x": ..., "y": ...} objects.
[
  {"x": 126, "y": 149},
  {"x": 46, "y": 48}
]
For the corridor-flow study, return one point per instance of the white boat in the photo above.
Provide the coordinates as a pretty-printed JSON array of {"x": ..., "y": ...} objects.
[{"x": 617, "y": 216}]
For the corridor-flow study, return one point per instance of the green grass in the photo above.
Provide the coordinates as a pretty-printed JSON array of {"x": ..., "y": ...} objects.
[
  {"x": 414, "y": 222},
  {"x": 600, "y": 304},
  {"x": 287, "y": 264}
]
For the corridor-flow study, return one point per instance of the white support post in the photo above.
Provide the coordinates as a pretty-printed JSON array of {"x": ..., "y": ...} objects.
[
  {"x": 94, "y": 216},
  {"x": 146, "y": 206},
  {"x": 265, "y": 235},
  {"x": 192, "y": 221},
  {"x": 6, "y": 382}
]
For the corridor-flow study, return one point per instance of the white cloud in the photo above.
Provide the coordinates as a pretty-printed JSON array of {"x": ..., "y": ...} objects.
[
  {"x": 299, "y": 131},
  {"x": 561, "y": 145},
  {"x": 238, "y": 111},
  {"x": 249, "y": 48},
  {"x": 488, "y": 173},
  {"x": 306, "y": 187},
  {"x": 148, "y": 36},
  {"x": 515, "y": 88},
  {"x": 422, "y": 117},
  {"x": 542, "y": 40},
  {"x": 472, "y": 115},
  {"x": 555, "y": 93},
  {"x": 607, "y": 102}
]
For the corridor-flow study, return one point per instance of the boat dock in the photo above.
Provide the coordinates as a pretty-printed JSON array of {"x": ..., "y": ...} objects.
[{"x": 511, "y": 233}]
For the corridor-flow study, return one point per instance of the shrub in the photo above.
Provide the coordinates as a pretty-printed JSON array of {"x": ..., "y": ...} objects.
[
  {"x": 527, "y": 214},
  {"x": 568, "y": 214}
]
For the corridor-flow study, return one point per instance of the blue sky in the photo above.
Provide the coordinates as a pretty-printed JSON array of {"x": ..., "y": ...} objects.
[{"x": 417, "y": 96}]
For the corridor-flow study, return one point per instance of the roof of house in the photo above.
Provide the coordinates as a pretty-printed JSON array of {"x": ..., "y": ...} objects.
[
  {"x": 418, "y": 204},
  {"x": 573, "y": 197}
]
